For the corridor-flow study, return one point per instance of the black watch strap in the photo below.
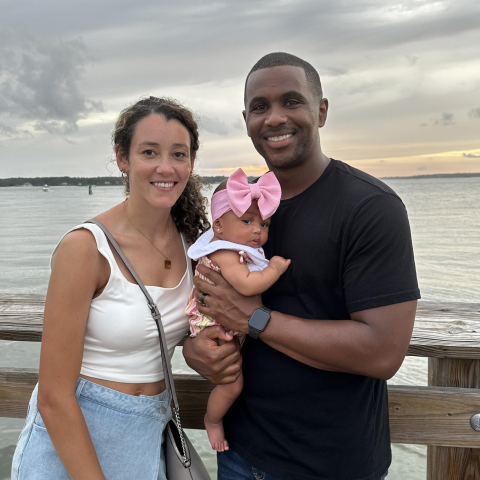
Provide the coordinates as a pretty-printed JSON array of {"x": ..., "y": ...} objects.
[{"x": 258, "y": 321}]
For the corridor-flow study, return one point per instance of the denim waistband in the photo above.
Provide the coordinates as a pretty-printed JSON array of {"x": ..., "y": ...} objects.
[{"x": 131, "y": 404}]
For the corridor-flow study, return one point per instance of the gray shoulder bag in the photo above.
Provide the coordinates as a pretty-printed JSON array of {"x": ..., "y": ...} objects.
[{"x": 183, "y": 461}]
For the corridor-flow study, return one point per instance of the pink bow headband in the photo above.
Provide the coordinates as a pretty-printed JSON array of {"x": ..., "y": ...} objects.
[{"x": 239, "y": 194}]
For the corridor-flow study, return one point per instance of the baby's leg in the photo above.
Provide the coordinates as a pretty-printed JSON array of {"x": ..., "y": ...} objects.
[{"x": 220, "y": 400}]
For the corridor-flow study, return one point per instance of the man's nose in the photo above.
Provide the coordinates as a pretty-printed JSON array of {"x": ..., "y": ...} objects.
[{"x": 276, "y": 116}]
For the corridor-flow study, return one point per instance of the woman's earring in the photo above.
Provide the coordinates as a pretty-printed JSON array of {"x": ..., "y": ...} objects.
[{"x": 124, "y": 174}]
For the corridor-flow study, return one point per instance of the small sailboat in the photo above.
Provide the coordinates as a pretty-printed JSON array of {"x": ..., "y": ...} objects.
[{"x": 46, "y": 188}]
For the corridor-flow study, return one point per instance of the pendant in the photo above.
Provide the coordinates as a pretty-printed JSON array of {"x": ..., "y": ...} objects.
[{"x": 168, "y": 264}]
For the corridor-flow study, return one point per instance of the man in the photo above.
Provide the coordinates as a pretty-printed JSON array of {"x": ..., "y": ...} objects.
[{"x": 314, "y": 404}]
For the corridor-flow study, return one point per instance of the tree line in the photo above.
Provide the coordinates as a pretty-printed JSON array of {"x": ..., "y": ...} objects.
[{"x": 62, "y": 181}]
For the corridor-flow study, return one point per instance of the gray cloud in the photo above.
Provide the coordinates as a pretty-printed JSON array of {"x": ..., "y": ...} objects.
[
  {"x": 196, "y": 34},
  {"x": 412, "y": 59},
  {"x": 12, "y": 132},
  {"x": 446, "y": 119},
  {"x": 56, "y": 127},
  {"x": 385, "y": 61},
  {"x": 471, "y": 155},
  {"x": 474, "y": 113},
  {"x": 214, "y": 125},
  {"x": 238, "y": 124},
  {"x": 42, "y": 81}
]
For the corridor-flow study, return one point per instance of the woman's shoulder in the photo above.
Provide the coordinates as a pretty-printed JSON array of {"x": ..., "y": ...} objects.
[
  {"x": 88, "y": 238},
  {"x": 77, "y": 242},
  {"x": 79, "y": 237}
]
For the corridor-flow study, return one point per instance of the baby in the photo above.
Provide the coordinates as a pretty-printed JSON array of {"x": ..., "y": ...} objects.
[{"x": 241, "y": 216}]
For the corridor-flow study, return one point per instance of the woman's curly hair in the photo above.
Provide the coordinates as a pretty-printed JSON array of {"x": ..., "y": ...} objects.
[{"x": 189, "y": 211}]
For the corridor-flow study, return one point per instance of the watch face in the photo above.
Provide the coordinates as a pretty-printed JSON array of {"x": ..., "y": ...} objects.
[{"x": 259, "y": 319}]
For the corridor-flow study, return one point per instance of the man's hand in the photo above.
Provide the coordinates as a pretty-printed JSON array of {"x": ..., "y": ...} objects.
[
  {"x": 217, "y": 363},
  {"x": 222, "y": 302}
]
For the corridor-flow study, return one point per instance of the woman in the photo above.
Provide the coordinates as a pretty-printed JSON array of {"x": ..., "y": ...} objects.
[{"x": 100, "y": 407}]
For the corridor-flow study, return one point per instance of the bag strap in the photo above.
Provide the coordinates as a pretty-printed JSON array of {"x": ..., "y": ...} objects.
[
  {"x": 186, "y": 459},
  {"x": 153, "y": 310}
]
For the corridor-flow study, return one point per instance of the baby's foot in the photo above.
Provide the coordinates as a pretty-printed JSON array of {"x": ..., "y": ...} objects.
[{"x": 216, "y": 435}]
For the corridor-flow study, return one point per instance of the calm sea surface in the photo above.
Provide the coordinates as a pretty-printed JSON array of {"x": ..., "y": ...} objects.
[{"x": 445, "y": 220}]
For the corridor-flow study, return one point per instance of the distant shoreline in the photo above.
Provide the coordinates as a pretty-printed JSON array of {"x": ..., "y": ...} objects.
[
  {"x": 75, "y": 181},
  {"x": 115, "y": 181},
  {"x": 435, "y": 175}
]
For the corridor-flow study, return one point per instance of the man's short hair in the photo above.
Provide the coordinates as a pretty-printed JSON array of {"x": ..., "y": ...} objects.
[{"x": 280, "y": 59}]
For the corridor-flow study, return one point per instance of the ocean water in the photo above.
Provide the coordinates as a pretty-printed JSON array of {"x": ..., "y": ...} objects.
[{"x": 445, "y": 220}]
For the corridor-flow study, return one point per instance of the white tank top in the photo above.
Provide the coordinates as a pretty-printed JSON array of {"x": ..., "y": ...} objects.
[{"x": 121, "y": 339}]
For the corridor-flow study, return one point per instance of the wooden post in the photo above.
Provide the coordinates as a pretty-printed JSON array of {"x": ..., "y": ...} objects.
[{"x": 453, "y": 463}]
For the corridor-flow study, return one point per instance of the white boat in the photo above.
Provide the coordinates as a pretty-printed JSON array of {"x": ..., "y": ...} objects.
[{"x": 46, "y": 188}]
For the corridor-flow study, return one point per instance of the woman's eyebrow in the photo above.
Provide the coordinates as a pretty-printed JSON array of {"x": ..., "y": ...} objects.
[{"x": 156, "y": 144}]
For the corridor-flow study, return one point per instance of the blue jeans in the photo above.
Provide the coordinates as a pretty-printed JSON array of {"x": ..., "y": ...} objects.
[
  {"x": 126, "y": 431},
  {"x": 232, "y": 466}
]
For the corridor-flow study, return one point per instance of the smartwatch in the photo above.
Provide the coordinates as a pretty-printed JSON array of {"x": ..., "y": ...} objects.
[{"x": 258, "y": 321}]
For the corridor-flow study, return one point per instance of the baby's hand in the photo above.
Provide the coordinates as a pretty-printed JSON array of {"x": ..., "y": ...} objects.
[{"x": 279, "y": 263}]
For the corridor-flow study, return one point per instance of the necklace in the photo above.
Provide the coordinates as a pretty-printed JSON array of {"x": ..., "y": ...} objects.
[{"x": 168, "y": 262}]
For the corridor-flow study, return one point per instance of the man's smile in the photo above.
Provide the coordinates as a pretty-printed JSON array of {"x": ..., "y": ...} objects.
[{"x": 279, "y": 139}]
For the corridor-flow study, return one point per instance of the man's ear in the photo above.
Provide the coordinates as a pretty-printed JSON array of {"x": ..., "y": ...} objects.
[
  {"x": 244, "y": 113},
  {"x": 122, "y": 162},
  {"x": 322, "y": 112}
]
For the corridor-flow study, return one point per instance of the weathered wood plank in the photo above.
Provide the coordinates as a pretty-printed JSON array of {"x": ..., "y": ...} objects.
[
  {"x": 192, "y": 394},
  {"x": 417, "y": 414},
  {"x": 451, "y": 462},
  {"x": 446, "y": 330},
  {"x": 449, "y": 330},
  {"x": 17, "y": 384},
  {"x": 433, "y": 415},
  {"x": 21, "y": 317}
]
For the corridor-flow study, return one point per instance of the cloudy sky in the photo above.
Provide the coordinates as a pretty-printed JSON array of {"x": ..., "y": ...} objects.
[{"x": 402, "y": 78}]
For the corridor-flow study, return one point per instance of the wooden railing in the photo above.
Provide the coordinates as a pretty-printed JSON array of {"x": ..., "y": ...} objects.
[{"x": 439, "y": 415}]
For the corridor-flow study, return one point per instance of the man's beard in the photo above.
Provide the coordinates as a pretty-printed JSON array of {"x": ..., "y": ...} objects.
[{"x": 298, "y": 158}]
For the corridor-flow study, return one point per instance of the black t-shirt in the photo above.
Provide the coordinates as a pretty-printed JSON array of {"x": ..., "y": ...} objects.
[{"x": 349, "y": 241}]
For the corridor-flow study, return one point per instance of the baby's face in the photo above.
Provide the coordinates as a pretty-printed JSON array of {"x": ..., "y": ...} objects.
[{"x": 249, "y": 229}]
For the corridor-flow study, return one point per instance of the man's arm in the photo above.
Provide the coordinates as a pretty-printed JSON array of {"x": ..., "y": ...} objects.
[{"x": 372, "y": 343}]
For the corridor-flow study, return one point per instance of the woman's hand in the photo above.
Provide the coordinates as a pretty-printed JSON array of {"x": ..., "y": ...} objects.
[
  {"x": 222, "y": 302},
  {"x": 217, "y": 363}
]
